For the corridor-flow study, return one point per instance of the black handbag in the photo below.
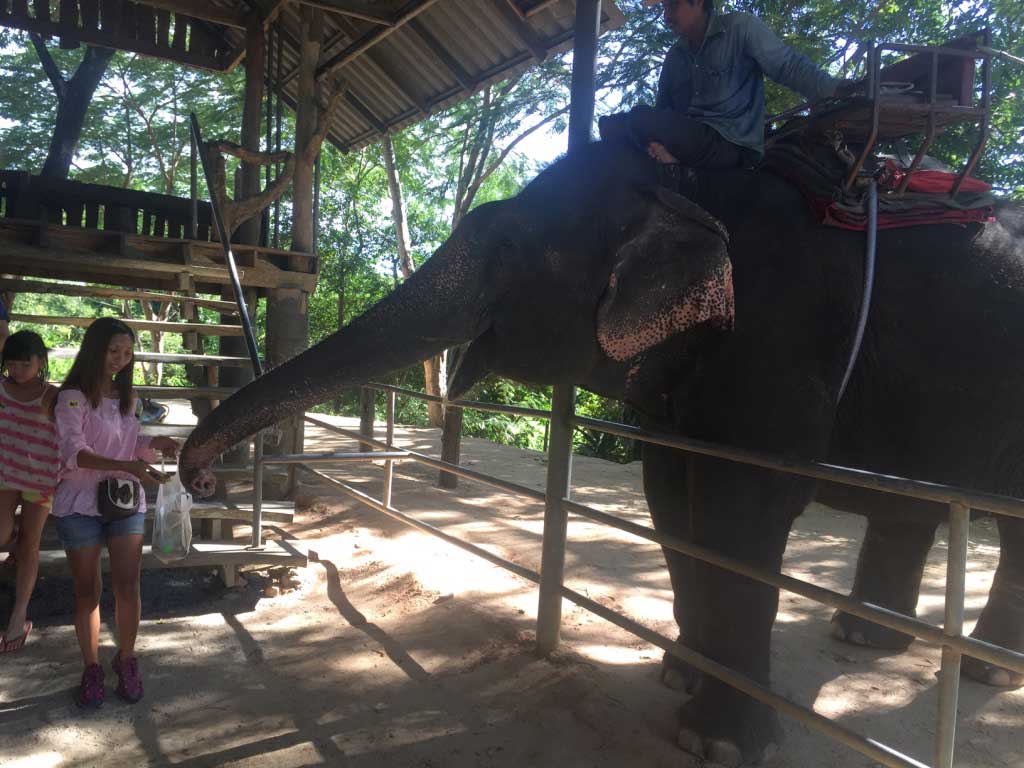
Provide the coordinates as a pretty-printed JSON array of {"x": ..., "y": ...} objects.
[{"x": 118, "y": 499}]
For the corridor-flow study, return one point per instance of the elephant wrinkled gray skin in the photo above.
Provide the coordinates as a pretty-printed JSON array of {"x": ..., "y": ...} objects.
[{"x": 594, "y": 276}]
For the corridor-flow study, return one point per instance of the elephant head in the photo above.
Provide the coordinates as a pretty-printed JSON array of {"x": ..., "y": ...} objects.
[{"x": 590, "y": 265}]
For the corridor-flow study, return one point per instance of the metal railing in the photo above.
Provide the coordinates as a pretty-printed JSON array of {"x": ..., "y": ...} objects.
[{"x": 552, "y": 590}]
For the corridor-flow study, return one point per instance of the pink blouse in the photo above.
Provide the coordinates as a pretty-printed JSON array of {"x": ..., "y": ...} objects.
[{"x": 103, "y": 431}]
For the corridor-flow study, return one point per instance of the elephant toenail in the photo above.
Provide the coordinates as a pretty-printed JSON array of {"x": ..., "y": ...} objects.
[
  {"x": 673, "y": 679},
  {"x": 690, "y": 742},
  {"x": 770, "y": 753},
  {"x": 837, "y": 631},
  {"x": 724, "y": 753},
  {"x": 999, "y": 678},
  {"x": 857, "y": 638}
]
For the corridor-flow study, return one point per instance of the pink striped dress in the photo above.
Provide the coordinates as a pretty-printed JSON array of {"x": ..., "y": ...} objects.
[{"x": 28, "y": 445}]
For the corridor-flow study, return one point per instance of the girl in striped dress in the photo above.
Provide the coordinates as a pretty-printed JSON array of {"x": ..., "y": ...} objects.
[{"x": 29, "y": 466}]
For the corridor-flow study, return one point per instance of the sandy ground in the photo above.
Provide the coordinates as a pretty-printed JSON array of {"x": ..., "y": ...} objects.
[{"x": 398, "y": 650}]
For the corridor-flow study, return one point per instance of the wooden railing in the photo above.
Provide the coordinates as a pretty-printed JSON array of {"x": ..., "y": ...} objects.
[{"x": 93, "y": 206}]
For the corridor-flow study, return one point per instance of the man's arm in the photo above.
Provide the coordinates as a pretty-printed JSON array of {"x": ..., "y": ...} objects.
[{"x": 784, "y": 65}]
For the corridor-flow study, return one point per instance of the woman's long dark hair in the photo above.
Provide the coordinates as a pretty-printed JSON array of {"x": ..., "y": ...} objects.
[
  {"x": 88, "y": 372},
  {"x": 23, "y": 346}
]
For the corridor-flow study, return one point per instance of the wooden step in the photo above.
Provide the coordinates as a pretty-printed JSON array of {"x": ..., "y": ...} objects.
[
  {"x": 70, "y": 289},
  {"x": 168, "y": 357},
  {"x": 184, "y": 393},
  {"x": 203, "y": 329},
  {"x": 273, "y": 511},
  {"x": 204, "y": 554}
]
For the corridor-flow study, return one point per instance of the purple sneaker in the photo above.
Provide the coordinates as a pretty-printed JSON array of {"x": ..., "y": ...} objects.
[
  {"x": 90, "y": 692},
  {"x": 129, "y": 681}
]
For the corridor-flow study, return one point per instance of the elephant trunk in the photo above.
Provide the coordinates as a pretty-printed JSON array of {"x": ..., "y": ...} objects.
[{"x": 438, "y": 307}]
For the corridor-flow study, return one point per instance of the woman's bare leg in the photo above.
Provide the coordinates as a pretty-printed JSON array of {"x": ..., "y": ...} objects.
[
  {"x": 85, "y": 569},
  {"x": 33, "y": 518},
  {"x": 125, "y": 559}
]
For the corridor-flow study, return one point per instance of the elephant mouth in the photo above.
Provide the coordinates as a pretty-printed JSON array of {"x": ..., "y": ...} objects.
[{"x": 709, "y": 301}]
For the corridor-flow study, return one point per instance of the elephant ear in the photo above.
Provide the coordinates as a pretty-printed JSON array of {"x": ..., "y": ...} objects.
[{"x": 671, "y": 275}]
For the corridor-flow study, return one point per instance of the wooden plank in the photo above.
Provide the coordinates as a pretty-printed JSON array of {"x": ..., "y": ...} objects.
[
  {"x": 179, "y": 358},
  {"x": 110, "y": 17},
  {"x": 199, "y": 9},
  {"x": 366, "y": 41},
  {"x": 179, "y": 393},
  {"x": 272, "y": 511},
  {"x": 163, "y": 28},
  {"x": 204, "y": 554},
  {"x": 42, "y": 9},
  {"x": 119, "y": 41},
  {"x": 353, "y": 8},
  {"x": 67, "y": 289},
  {"x": 180, "y": 32},
  {"x": 205, "y": 329},
  {"x": 90, "y": 10}
]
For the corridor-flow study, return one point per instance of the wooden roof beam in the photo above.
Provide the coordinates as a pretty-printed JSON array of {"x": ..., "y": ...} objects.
[
  {"x": 462, "y": 77},
  {"x": 523, "y": 30},
  {"x": 366, "y": 113},
  {"x": 407, "y": 13},
  {"x": 352, "y": 8},
  {"x": 199, "y": 9}
]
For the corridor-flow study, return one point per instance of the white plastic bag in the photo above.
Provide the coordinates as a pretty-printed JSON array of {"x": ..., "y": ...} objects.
[{"x": 172, "y": 527}]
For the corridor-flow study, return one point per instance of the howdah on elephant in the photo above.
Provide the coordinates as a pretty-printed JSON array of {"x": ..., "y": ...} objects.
[{"x": 738, "y": 334}]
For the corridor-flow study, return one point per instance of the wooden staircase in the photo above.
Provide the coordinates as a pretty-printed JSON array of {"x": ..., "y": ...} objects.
[{"x": 66, "y": 237}]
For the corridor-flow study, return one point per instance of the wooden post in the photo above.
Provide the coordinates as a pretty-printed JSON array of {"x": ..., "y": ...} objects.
[{"x": 287, "y": 321}]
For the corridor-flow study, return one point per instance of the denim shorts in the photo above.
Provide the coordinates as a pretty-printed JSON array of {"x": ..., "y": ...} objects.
[{"x": 81, "y": 531}]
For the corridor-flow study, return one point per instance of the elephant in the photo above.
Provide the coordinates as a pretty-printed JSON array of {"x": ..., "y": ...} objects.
[{"x": 726, "y": 315}]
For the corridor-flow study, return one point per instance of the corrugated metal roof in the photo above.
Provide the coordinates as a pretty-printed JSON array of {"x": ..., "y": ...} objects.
[{"x": 437, "y": 53}]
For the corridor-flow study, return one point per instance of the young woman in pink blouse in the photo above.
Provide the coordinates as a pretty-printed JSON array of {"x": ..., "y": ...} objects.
[{"x": 98, "y": 436}]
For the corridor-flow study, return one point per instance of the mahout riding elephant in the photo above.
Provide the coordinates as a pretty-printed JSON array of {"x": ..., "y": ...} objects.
[{"x": 594, "y": 275}]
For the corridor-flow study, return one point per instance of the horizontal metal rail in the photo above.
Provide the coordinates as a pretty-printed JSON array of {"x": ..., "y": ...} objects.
[
  {"x": 979, "y": 649},
  {"x": 430, "y": 461},
  {"x": 349, "y": 457},
  {"x": 476, "y": 405},
  {"x": 944, "y": 494},
  {"x": 391, "y": 512},
  {"x": 869, "y": 747},
  {"x": 950, "y": 638}
]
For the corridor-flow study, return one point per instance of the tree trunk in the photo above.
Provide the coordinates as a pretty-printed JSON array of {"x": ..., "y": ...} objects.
[
  {"x": 433, "y": 368},
  {"x": 73, "y": 99}
]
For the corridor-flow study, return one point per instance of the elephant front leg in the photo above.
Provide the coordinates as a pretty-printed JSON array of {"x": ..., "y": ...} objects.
[
  {"x": 1002, "y": 620},
  {"x": 744, "y": 513},
  {"x": 666, "y": 489},
  {"x": 889, "y": 571}
]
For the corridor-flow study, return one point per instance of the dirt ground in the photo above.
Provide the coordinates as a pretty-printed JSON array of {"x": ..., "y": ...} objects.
[{"x": 398, "y": 650}]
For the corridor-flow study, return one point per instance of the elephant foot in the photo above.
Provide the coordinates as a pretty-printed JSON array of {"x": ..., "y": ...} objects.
[
  {"x": 732, "y": 732},
  {"x": 1004, "y": 634},
  {"x": 990, "y": 674},
  {"x": 858, "y": 631},
  {"x": 677, "y": 675}
]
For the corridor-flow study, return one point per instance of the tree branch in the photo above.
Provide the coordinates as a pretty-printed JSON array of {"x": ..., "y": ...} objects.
[{"x": 60, "y": 85}]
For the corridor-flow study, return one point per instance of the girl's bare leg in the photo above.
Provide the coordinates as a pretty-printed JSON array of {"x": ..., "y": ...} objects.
[
  {"x": 125, "y": 559},
  {"x": 85, "y": 569},
  {"x": 33, "y": 518},
  {"x": 8, "y": 503}
]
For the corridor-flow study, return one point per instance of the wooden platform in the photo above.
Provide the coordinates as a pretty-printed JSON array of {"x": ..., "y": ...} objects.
[
  {"x": 204, "y": 554},
  {"x": 36, "y": 249}
]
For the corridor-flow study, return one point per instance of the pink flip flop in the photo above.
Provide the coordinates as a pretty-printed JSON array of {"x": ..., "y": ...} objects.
[{"x": 10, "y": 646}]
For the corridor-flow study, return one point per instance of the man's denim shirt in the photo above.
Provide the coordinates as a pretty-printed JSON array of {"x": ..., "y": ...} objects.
[{"x": 721, "y": 84}]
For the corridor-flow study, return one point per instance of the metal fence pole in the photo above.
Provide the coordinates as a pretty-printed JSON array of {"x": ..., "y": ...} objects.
[
  {"x": 389, "y": 465},
  {"x": 563, "y": 398},
  {"x": 949, "y": 673},
  {"x": 556, "y": 517},
  {"x": 257, "y": 491}
]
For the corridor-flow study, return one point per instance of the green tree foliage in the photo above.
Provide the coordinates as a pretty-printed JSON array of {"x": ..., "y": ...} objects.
[{"x": 135, "y": 136}]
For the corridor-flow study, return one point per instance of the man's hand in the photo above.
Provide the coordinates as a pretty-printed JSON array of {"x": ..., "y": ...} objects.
[{"x": 659, "y": 154}]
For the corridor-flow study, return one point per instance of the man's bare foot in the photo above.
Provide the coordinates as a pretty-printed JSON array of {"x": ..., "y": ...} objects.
[{"x": 659, "y": 154}]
